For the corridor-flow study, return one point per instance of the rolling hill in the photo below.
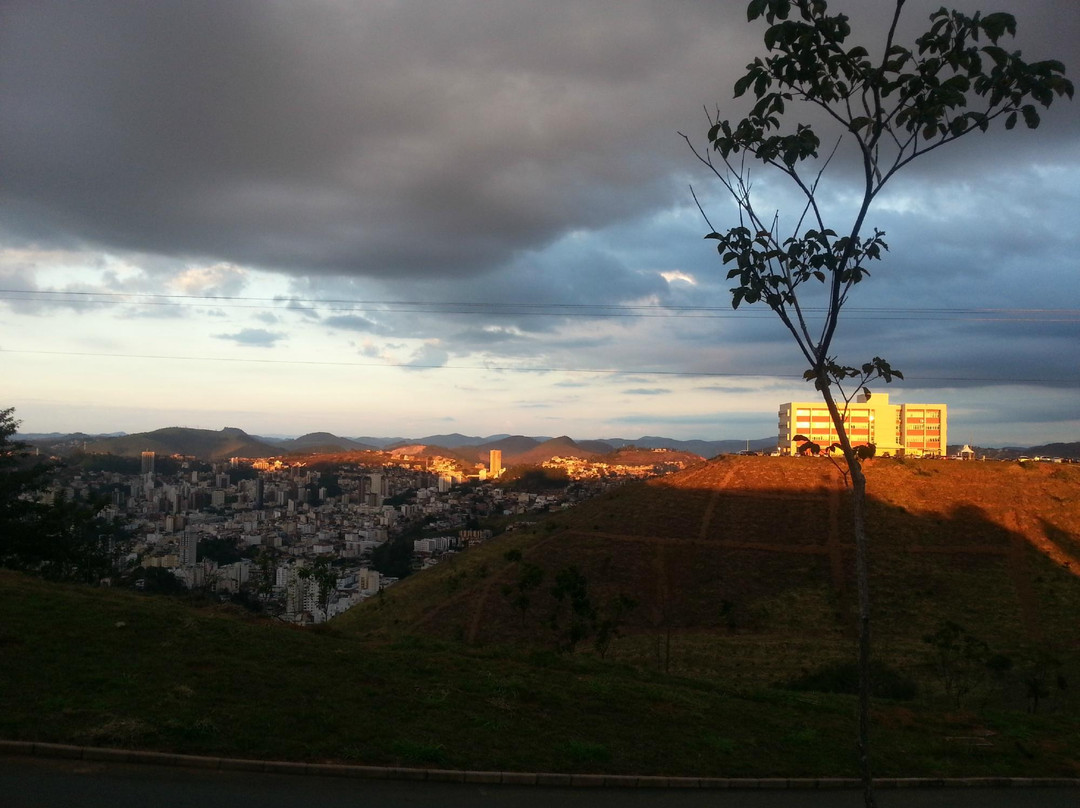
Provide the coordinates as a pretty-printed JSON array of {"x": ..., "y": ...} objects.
[
  {"x": 1071, "y": 450},
  {"x": 556, "y": 447},
  {"x": 323, "y": 442},
  {"x": 741, "y": 567},
  {"x": 202, "y": 443}
]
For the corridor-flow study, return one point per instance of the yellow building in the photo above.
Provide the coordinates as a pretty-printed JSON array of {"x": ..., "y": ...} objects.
[{"x": 914, "y": 430}]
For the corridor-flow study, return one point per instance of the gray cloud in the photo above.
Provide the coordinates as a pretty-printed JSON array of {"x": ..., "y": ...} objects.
[
  {"x": 253, "y": 337},
  {"x": 407, "y": 140},
  {"x": 366, "y": 139},
  {"x": 714, "y": 420},
  {"x": 428, "y": 356},
  {"x": 647, "y": 391},
  {"x": 350, "y": 322},
  {"x": 726, "y": 388}
]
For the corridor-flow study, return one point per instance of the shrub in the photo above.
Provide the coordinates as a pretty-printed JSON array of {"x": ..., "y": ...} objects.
[{"x": 843, "y": 677}]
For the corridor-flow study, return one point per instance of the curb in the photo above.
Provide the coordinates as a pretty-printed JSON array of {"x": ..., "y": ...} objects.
[{"x": 106, "y": 755}]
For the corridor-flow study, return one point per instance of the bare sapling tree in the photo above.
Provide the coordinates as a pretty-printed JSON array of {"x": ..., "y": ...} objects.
[{"x": 886, "y": 110}]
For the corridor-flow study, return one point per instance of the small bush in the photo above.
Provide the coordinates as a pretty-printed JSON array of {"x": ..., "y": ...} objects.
[{"x": 843, "y": 677}]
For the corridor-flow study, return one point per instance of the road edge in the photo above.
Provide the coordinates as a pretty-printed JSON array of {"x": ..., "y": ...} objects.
[{"x": 134, "y": 756}]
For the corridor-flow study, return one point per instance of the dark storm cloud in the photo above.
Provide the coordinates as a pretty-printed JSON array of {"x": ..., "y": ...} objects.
[
  {"x": 367, "y": 139},
  {"x": 1023, "y": 410}
]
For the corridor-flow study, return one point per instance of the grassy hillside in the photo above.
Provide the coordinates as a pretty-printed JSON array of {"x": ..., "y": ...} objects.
[
  {"x": 116, "y": 669},
  {"x": 739, "y": 570}
]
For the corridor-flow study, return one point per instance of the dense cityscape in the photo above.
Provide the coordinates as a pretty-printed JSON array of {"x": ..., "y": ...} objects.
[{"x": 305, "y": 539}]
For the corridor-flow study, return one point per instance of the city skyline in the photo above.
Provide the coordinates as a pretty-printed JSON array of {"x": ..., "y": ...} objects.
[{"x": 380, "y": 219}]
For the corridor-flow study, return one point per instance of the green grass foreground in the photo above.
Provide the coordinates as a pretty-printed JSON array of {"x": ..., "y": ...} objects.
[{"x": 110, "y": 668}]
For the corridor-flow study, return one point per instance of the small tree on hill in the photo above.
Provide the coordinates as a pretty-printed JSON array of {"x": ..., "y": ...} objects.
[
  {"x": 889, "y": 108},
  {"x": 610, "y": 621},
  {"x": 530, "y": 576},
  {"x": 571, "y": 594},
  {"x": 61, "y": 540},
  {"x": 959, "y": 659}
]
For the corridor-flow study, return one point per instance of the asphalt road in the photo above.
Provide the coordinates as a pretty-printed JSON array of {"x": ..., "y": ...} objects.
[{"x": 56, "y": 783}]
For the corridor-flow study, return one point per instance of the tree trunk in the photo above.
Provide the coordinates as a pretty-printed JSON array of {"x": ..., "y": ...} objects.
[
  {"x": 862, "y": 578},
  {"x": 862, "y": 582}
]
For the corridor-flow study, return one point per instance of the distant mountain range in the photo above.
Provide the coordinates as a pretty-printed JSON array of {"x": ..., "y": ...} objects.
[
  {"x": 517, "y": 449},
  {"x": 1069, "y": 451},
  {"x": 233, "y": 442}
]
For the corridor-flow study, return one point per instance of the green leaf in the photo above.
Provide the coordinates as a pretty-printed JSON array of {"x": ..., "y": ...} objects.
[
  {"x": 755, "y": 9},
  {"x": 1031, "y": 116},
  {"x": 999, "y": 55},
  {"x": 1010, "y": 122},
  {"x": 996, "y": 25},
  {"x": 859, "y": 123}
]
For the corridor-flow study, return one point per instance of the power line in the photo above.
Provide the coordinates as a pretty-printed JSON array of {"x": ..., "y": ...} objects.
[
  {"x": 511, "y": 368},
  {"x": 518, "y": 309}
]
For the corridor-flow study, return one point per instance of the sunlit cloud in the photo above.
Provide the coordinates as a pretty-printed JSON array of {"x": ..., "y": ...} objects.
[
  {"x": 214, "y": 280},
  {"x": 679, "y": 275}
]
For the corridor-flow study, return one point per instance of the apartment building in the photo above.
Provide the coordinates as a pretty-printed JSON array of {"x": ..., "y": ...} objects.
[{"x": 912, "y": 430}]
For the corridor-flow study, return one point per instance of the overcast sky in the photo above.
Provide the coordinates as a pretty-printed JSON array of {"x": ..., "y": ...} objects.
[{"x": 380, "y": 217}]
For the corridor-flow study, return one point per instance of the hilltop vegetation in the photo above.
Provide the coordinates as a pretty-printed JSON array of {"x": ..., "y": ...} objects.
[{"x": 740, "y": 619}]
